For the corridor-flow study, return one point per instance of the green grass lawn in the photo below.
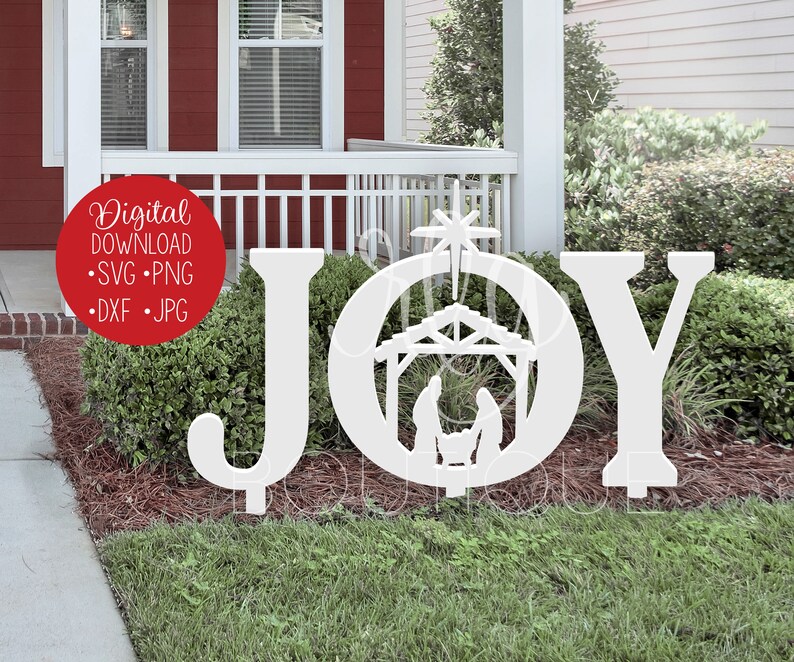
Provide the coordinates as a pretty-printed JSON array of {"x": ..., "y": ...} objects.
[{"x": 697, "y": 585}]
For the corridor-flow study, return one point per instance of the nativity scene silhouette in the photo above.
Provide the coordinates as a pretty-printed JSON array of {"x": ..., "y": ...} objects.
[{"x": 456, "y": 331}]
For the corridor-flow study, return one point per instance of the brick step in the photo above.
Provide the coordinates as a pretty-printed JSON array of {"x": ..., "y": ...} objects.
[{"x": 20, "y": 330}]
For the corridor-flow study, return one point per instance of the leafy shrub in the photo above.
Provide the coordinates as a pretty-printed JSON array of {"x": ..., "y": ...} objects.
[
  {"x": 465, "y": 89},
  {"x": 147, "y": 397},
  {"x": 740, "y": 208},
  {"x": 737, "y": 337},
  {"x": 605, "y": 156},
  {"x": 331, "y": 289}
]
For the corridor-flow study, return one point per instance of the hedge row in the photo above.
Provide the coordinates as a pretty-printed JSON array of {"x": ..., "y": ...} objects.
[
  {"x": 740, "y": 208},
  {"x": 605, "y": 158},
  {"x": 146, "y": 397}
]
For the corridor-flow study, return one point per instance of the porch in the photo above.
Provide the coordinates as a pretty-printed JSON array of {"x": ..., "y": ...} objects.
[{"x": 349, "y": 195}]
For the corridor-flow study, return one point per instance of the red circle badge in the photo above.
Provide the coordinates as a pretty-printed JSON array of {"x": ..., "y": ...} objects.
[{"x": 141, "y": 260}]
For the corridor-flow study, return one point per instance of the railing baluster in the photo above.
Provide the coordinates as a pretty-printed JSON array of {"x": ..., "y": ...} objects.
[
  {"x": 413, "y": 204},
  {"x": 329, "y": 225},
  {"x": 506, "y": 243},
  {"x": 440, "y": 198},
  {"x": 261, "y": 212},
  {"x": 283, "y": 221},
  {"x": 396, "y": 231},
  {"x": 306, "y": 237},
  {"x": 485, "y": 209},
  {"x": 239, "y": 243},
  {"x": 372, "y": 226},
  {"x": 497, "y": 216},
  {"x": 377, "y": 187},
  {"x": 216, "y": 198},
  {"x": 358, "y": 180},
  {"x": 350, "y": 228}
]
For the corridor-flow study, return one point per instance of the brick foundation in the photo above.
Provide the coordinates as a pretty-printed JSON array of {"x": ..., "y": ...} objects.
[{"x": 20, "y": 330}]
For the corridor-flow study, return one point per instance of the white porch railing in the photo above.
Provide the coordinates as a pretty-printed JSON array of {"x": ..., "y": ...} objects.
[{"x": 369, "y": 198}]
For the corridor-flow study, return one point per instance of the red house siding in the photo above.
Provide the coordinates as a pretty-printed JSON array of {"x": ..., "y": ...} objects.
[
  {"x": 193, "y": 75},
  {"x": 31, "y": 197},
  {"x": 364, "y": 69}
]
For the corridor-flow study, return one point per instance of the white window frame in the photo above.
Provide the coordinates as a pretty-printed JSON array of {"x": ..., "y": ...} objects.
[
  {"x": 332, "y": 75},
  {"x": 53, "y": 79}
]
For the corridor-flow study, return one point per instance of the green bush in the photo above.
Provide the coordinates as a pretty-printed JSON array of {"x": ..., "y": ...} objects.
[
  {"x": 605, "y": 156},
  {"x": 741, "y": 339},
  {"x": 742, "y": 209},
  {"x": 738, "y": 335},
  {"x": 146, "y": 397},
  {"x": 465, "y": 89}
]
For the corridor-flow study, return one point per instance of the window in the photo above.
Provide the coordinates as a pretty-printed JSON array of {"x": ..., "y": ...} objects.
[
  {"x": 280, "y": 51},
  {"x": 125, "y": 74},
  {"x": 133, "y": 38}
]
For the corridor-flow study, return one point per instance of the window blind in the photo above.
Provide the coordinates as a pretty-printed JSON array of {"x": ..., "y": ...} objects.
[
  {"x": 280, "y": 97},
  {"x": 124, "y": 92},
  {"x": 124, "y": 74},
  {"x": 280, "y": 79}
]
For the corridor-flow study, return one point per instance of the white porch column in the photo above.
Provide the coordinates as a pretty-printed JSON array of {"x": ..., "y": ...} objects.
[
  {"x": 534, "y": 123},
  {"x": 82, "y": 105},
  {"x": 394, "y": 70},
  {"x": 82, "y": 154}
]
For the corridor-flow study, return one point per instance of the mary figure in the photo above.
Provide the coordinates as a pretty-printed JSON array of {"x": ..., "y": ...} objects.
[{"x": 489, "y": 425}]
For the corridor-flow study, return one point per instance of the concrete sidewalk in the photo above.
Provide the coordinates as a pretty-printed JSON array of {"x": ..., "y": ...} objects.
[{"x": 55, "y": 602}]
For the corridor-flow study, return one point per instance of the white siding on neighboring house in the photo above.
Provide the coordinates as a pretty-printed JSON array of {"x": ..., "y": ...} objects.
[
  {"x": 419, "y": 51},
  {"x": 702, "y": 56}
]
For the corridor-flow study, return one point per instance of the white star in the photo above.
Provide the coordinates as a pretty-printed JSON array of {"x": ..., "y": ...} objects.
[{"x": 455, "y": 233}]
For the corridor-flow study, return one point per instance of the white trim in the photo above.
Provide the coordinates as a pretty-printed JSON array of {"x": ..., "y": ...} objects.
[
  {"x": 297, "y": 162},
  {"x": 82, "y": 81},
  {"x": 151, "y": 74},
  {"x": 82, "y": 134},
  {"x": 332, "y": 73},
  {"x": 51, "y": 84},
  {"x": 394, "y": 71},
  {"x": 227, "y": 62},
  {"x": 161, "y": 134},
  {"x": 365, "y": 144},
  {"x": 334, "y": 76}
]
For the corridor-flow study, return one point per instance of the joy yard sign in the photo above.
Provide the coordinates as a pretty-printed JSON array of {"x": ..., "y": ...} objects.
[{"x": 471, "y": 458}]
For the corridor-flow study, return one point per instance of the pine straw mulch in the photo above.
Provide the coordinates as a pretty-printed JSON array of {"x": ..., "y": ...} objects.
[{"x": 114, "y": 496}]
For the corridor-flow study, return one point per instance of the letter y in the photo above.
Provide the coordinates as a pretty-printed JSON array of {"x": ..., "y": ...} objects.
[{"x": 639, "y": 368}]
